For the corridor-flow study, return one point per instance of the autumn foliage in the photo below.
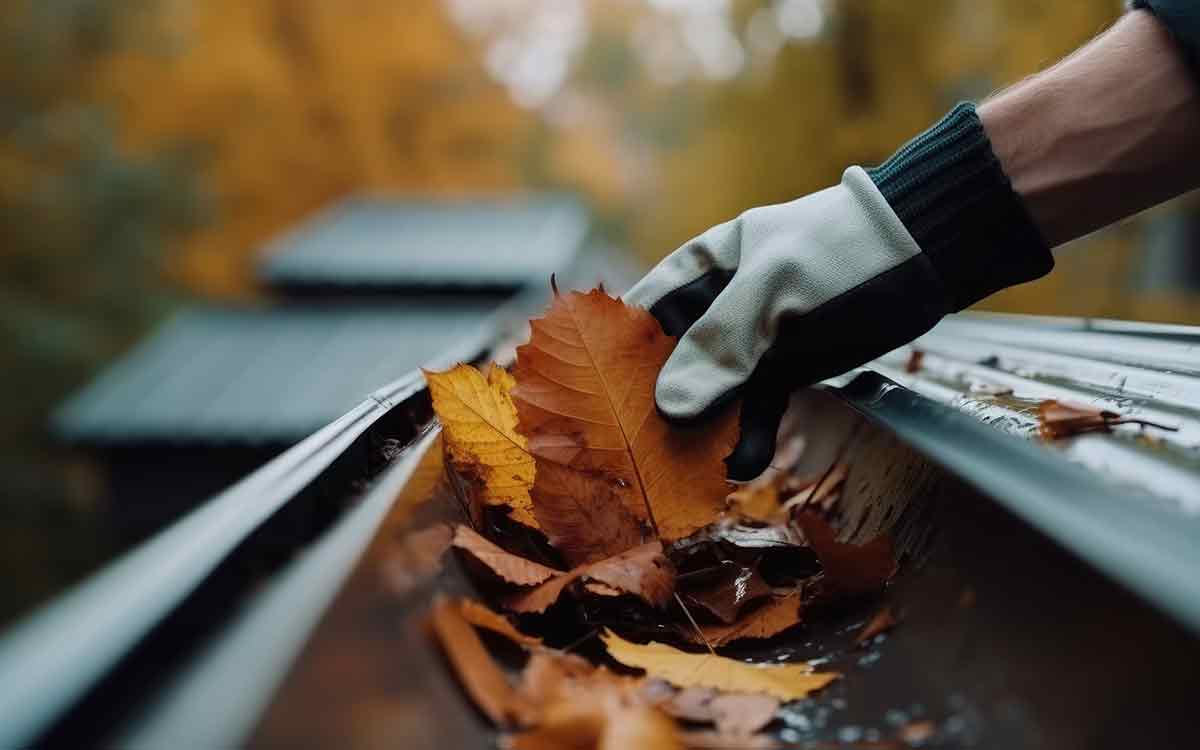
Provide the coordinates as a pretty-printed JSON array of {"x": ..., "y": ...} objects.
[{"x": 589, "y": 516}]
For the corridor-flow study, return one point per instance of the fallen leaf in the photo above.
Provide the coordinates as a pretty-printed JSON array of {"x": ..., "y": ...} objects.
[
  {"x": 416, "y": 557},
  {"x": 479, "y": 423},
  {"x": 608, "y": 720},
  {"x": 724, "y": 594},
  {"x": 707, "y": 739},
  {"x": 743, "y": 714},
  {"x": 551, "y": 675},
  {"x": 583, "y": 514},
  {"x": 481, "y": 616},
  {"x": 477, "y": 672},
  {"x": 510, "y": 567},
  {"x": 916, "y": 359},
  {"x": 601, "y": 589},
  {"x": 821, "y": 492},
  {"x": 758, "y": 500},
  {"x": 642, "y": 571},
  {"x": 852, "y": 568},
  {"x": 585, "y": 396},
  {"x": 1057, "y": 420},
  {"x": 767, "y": 621},
  {"x": 784, "y": 681},
  {"x": 734, "y": 714},
  {"x": 917, "y": 732},
  {"x": 881, "y": 622}
]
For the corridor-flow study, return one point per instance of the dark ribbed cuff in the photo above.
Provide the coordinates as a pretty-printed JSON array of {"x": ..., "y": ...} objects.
[
  {"x": 1182, "y": 19},
  {"x": 950, "y": 191}
]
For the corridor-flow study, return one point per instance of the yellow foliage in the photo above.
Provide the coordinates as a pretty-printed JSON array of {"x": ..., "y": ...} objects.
[
  {"x": 784, "y": 681},
  {"x": 479, "y": 422}
]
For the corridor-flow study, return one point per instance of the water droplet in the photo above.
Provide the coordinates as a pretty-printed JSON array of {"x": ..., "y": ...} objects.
[
  {"x": 868, "y": 659},
  {"x": 895, "y": 717},
  {"x": 849, "y": 734},
  {"x": 838, "y": 704}
]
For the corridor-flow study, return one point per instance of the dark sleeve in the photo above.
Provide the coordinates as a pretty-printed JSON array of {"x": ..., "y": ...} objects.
[{"x": 1182, "y": 18}]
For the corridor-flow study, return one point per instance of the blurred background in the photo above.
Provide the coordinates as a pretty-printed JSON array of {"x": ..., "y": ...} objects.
[{"x": 154, "y": 148}]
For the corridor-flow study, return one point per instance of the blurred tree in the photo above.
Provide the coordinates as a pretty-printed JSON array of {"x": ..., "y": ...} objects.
[
  {"x": 298, "y": 102},
  {"x": 83, "y": 226}
]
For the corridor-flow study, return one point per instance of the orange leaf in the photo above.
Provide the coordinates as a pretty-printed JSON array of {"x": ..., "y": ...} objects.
[
  {"x": 586, "y": 517},
  {"x": 482, "y": 617},
  {"x": 784, "y": 681},
  {"x": 1058, "y": 420},
  {"x": 642, "y": 571},
  {"x": 478, "y": 673},
  {"x": 510, "y": 567},
  {"x": 767, "y": 621},
  {"x": 851, "y": 568},
  {"x": 585, "y": 396},
  {"x": 881, "y": 622}
]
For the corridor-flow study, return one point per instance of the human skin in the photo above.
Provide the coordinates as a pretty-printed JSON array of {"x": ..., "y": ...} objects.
[{"x": 1109, "y": 131}]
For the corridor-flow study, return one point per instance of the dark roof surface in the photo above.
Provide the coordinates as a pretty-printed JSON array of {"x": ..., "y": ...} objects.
[
  {"x": 378, "y": 242},
  {"x": 263, "y": 375}
]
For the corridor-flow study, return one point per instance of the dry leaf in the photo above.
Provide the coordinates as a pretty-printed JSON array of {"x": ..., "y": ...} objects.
[
  {"x": 881, "y": 622},
  {"x": 642, "y": 571},
  {"x": 550, "y": 675},
  {"x": 766, "y": 621},
  {"x": 734, "y": 714},
  {"x": 481, "y": 616},
  {"x": 479, "y": 423},
  {"x": 510, "y": 567},
  {"x": 585, "y": 396},
  {"x": 607, "y": 720},
  {"x": 758, "y": 500},
  {"x": 822, "y": 492},
  {"x": 480, "y": 676},
  {"x": 853, "y": 569},
  {"x": 583, "y": 514},
  {"x": 784, "y": 681},
  {"x": 416, "y": 558},
  {"x": 725, "y": 593},
  {"x": 1058, "y": 420},
  {"x": 711, "y": 740}
]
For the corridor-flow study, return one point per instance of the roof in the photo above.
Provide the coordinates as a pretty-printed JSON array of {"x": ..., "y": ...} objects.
[
  {"x": 505, "y": 243},
  {"x": 266, "y": 375}
]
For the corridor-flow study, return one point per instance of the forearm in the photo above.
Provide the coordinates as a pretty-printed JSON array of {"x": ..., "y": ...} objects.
[{"x": 1109, "y": 131}]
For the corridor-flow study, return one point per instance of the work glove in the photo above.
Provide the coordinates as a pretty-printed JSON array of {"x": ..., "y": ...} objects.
[{"x": 788, "y": 295}]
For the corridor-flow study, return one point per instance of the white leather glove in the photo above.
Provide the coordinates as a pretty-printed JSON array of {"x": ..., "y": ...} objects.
[{"x": 785, "y": 296}]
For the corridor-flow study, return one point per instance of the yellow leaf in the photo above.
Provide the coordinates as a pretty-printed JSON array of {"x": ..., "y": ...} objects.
[
  {"x": 480, "y": 426},
  {"x": 784, "y": 681}
]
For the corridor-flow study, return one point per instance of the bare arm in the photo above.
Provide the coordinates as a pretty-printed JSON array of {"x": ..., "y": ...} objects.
[{"x": 1109, "y": 131}]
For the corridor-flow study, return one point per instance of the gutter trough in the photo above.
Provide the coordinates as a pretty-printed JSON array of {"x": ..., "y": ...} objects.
[{"x": 259, "y": 619}]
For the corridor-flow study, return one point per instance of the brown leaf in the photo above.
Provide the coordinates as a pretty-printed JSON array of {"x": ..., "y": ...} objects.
[
  {"x": 735, "y": 714},
  {"x": 585, "y": 396},
  {"x": 758, "y": 500},
  {"x": 708, "y": 739},
  {"x": 723, "y": 595},
  {"x": 416, "y": 557},
  {"x": 881, "y": 622},
  {"x": 642, "y": 571},
  {"x": 916, "y": 359},
  {"x": 583, "y": 514},
  {"x": 607, "y": 720},
  {"x": 821, "y": 492},
  {"x": 766, "y": 621},
  {"x": 784, "y": 681},
  {"x": 479, "y": 425},
  {"x": 481, "y": 616},
  {"x": 742, "y": 714},
  {"x": 1057, "y": 420},
  {"x": 851, "y": 568},
  {"x": 510, "y": 567},
  {"x": 480, "y": 676}
]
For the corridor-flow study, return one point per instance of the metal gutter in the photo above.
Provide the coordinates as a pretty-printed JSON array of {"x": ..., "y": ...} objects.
[
  {"x": 1149, "y": 547},
  {"x": 267, "y": 635}
]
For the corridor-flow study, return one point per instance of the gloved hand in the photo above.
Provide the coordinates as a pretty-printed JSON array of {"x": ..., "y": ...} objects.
[{"x": 784, "y": 296}]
